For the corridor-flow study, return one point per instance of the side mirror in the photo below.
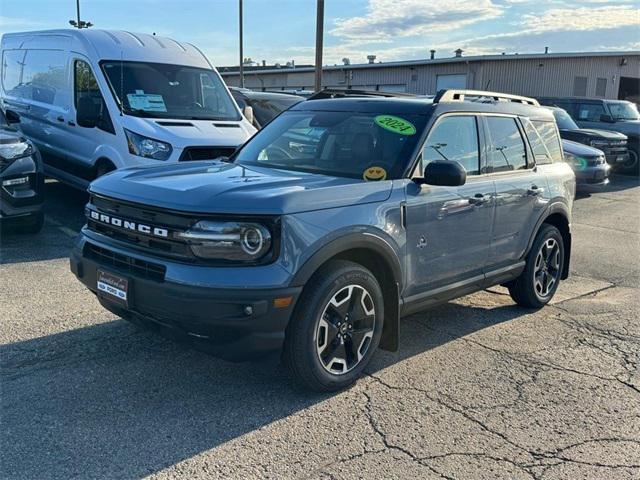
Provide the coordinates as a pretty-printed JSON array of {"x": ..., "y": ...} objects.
[
  {"x": 441, "y": 172},
  {"x": 87, "y": 113},
  {"x": 247, "y": 111},
  {"x": 606, "y": 118},
  {"x": 12, "y": 117}
]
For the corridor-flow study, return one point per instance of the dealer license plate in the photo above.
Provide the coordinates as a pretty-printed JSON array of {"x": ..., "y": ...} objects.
[{"x": 113, "y": 287}]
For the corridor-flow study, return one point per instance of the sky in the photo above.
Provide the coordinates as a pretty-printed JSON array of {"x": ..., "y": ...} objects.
[{"x": 284, "y": 30}]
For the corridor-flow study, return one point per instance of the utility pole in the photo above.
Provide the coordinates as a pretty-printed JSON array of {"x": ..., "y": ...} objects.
[
  {"x": 79, "y": 23},
  {"x": 319, "y": 37},
  {"x": 241, "y": 52}
]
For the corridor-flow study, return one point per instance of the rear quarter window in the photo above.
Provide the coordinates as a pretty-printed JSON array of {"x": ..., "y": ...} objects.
[{"x": 544, "y": 140}]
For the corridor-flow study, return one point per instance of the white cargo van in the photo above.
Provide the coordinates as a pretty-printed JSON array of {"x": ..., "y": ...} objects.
[{"x": 95, "y": 100}]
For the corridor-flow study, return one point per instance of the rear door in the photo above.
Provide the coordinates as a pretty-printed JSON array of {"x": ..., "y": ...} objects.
[
  {"x": 449, "y": 228},
  {"x": 521, "y": 191}
]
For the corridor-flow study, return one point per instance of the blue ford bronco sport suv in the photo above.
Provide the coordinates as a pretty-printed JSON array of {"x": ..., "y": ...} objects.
[{"x": 338, "y": 218}]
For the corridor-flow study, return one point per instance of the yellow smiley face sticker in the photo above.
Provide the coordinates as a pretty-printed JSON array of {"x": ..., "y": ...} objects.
[{"x": 374, "y": 174}]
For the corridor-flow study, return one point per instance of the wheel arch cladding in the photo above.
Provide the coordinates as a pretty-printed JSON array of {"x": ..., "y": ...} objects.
[{"x": 376, "y": 255}]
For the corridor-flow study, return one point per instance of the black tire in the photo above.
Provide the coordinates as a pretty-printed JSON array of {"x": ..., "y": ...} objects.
[
  {"x": 526, "y": 290},
  {"x": 302, "y": 353},
  {"x": 632, "y": 165},
  {"x": 31, "y": 225}
]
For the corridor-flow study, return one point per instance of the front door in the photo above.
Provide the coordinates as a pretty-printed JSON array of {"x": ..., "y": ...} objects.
[{"x": 449, "y": 228}]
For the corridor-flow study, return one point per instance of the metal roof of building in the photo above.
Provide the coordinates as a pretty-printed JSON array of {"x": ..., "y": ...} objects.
[{"x": 436, "y": 61}]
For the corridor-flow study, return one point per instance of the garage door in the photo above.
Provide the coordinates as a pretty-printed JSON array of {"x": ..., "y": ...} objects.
[{"x": 458, "y": 81}]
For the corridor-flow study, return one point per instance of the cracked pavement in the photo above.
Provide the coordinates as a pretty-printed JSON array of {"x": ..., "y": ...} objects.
[{"x": 479, "y": 389}]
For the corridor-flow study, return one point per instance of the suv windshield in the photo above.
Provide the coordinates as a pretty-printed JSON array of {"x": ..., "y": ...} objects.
[
  {"x": 370, "y": 146},
  {"x": 169, "y": 91},
  {"x": 624, "y": 111},
  {"x": 564, "y": 120}
]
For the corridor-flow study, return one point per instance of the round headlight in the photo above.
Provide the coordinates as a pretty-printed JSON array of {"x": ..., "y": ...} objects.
[{"x": 252, "y": 240}]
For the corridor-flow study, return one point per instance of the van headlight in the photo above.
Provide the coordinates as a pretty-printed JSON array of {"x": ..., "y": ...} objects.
[
  {"x": 147, "y": 147},
  {"x": 237, "y": 241}
]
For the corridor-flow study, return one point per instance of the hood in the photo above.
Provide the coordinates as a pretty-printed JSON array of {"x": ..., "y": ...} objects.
[
  {"x": 217, "y": 187},
  {"x": 595, "y": 133},
  {"x": 187, "y": 133},
  {"x": 580, "y": 149},
  {"x": 627, "y": 127}
]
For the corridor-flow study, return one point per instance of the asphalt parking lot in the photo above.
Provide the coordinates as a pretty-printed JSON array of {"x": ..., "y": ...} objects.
[{"x": 479, "y": 389}]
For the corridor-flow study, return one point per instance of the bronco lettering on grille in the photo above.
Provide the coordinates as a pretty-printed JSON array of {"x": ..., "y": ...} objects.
[{"x": 129, "y": 225}]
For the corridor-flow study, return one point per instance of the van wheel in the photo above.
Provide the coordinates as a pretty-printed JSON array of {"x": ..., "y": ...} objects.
[
  {"x": 538, "y": 282},
  {"x": 336, "y": 327}
]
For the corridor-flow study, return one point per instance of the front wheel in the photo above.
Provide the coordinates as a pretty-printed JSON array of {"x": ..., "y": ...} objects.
[
  {"x": 336, "y": 327},
  {"x": 538, "y": 282}
]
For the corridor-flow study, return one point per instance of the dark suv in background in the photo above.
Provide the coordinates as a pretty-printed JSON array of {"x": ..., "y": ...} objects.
[
  {"x": 613, "y": 144},
  {"x": 616, "y": 115},
  {"x": 21, "y": 179},
  {"x": 265, "y": 105}
]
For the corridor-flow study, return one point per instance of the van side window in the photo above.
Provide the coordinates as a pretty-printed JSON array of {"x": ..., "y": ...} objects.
[
  {"x": 506, "y": 149},
  {"x": 549, "y": 135},
  {"x": 38, "y": 75},
  {"x": 86, "y": 89},
  {"x": 455, "y": 139},
  {"x": 590, "y": 112}
]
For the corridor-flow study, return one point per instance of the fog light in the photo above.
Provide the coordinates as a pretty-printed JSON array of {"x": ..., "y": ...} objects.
[{"x": 15, "y": 181}]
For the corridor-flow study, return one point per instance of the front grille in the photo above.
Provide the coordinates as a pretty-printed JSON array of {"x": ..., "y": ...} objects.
[
  {"x": 124, "y": 263},
  {"x": 171, "y": 245},
  {"x": 205, "y": 153}
]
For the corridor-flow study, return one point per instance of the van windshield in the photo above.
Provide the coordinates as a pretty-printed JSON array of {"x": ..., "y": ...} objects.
[{"x": 160, "y": 90}]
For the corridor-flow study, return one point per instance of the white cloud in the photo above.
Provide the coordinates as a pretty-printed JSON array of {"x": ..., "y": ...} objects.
[
  {"x": 389, "y": 19},
  {"x": 584, "y": 18}
]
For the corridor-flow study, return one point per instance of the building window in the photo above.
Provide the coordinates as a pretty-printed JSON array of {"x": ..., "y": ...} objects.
[
  {"x": 601, "y": 87},
  {"x": 580, "y": 86}
]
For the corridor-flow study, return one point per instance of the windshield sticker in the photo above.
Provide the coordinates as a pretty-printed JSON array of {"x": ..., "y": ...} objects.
[
  {"x": 395, "y": 124},
  {"x": 148, "y": 102},
  {"x": 374, "y": 174}
]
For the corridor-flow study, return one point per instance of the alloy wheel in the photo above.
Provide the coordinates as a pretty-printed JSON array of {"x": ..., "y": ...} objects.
[
  {"x": 547, "y": 268},
  {"x": 345, "y": 329}
]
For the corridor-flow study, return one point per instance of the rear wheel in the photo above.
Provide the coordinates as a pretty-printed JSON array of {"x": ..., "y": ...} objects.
[
  {"x": 537, "y": 284},
  {"x": 336, "y": 327}
]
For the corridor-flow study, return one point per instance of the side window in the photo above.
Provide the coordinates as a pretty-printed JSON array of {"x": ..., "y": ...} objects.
[
  {"x": 540, "y": 152},
  {"x": 455, "y": 139},
  {"x": 12, "y": 63},
  {"x": 590, "y": 112},
  {"x": 549, "y": 135},
  {"x": 507, "y": 150},
  {"x": 86, "y": 89}
]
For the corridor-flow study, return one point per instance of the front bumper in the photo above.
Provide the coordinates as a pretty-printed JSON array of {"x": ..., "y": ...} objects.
[
  {"x": 22, "y": 199},
  {"x": 232, "y": 323},
  {"x": 594, "y": 175}
]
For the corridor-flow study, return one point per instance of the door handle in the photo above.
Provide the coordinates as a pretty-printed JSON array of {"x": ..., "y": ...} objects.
[
  {"x": 478, "y": 199},
  {"x": 60, "y": 118},
  {"x": 535, "y": 191}
]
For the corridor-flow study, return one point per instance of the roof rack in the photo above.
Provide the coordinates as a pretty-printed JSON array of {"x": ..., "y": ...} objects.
[
  {"x": 459, "y": 96},
  {"x": 349, "y": 92}
]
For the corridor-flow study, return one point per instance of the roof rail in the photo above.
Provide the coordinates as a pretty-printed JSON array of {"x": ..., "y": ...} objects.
[
  {"x": 452, "y": 95},
  {"x": 348, "y": 92}
]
